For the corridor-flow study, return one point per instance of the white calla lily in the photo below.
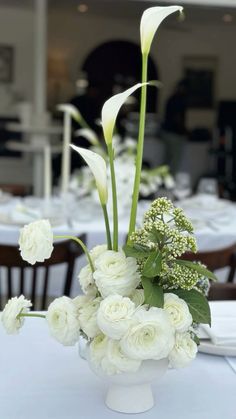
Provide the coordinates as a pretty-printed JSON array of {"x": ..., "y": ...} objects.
[
  {"x": 150, "y": 22},
  {"x": 71, "y": 110},
  {"x": 98, "y": 167},
  {"x": 111, "y": 108},
  {"x": 88, "y": 134}
]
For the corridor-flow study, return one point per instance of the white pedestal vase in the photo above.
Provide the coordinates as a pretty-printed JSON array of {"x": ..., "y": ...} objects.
[{"x": 132, "y": 392}]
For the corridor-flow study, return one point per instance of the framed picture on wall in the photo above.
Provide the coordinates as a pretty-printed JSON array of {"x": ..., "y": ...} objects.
[
  {"x": 200, "y": 74},
  {"x": 6, "y": 63}
]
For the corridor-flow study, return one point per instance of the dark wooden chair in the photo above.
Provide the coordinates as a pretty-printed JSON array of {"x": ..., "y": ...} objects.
[
  {"x": 216, "y": 259},
  {"x": 65, "y": 252},
  {"x": 222, "y": 292}
]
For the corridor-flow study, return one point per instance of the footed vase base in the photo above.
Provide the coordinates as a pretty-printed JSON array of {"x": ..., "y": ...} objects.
[{"x": 130, "y": 399}]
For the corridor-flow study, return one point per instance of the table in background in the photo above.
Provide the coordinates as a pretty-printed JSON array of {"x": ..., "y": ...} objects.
[{"x": 39, "y": 379}]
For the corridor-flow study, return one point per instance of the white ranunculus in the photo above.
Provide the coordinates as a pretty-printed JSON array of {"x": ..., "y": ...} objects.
[
  {"x": 98, "y": 251},
  {"x": 98, "y": 349},
  {"x": 184, "y": 351},
  {"x": 63, "y": 321},
  {"x": 138, "y": 297},
  {"x": 36, "y": 241},
  {"x": 114, "y": 315},
  {"x": 117, "y": 361},
  {"x": 10, "y": 320},
  {"x": 178, "y": 312},
  {"x": 86, "y": 281},
  {"x": 152, "y": 337},
  {"x": 86, "y": 276},
  {"x": 87, "y": 314},
  {"x": 116, "y": 274}
]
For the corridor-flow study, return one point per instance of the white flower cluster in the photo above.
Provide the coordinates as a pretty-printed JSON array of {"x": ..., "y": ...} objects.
[{"x": 122, "y": 331}]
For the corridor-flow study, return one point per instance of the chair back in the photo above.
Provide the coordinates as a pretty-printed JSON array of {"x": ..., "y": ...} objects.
[
  {"x": 65, "y": 252},
  {"x": 222, "y": 292},
  {"x": 216, "y": 259}
]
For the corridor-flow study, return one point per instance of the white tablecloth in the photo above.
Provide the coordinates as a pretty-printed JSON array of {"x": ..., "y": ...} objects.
[{"x": 40, "y": 379}]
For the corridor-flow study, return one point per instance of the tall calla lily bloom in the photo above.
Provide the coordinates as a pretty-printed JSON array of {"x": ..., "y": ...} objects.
[
  {"x": 89, "y": 134},
  {"x": 71, "y": 110},
  {"x": 111, "y": 108},
  {"x": 98, "y": 167},
  {"x": 150, "y": 22}
]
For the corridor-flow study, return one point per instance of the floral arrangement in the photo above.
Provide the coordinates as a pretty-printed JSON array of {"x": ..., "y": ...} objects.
[
  {"x": 141, "y": 301},
  {"x": 82, "y": 181}
]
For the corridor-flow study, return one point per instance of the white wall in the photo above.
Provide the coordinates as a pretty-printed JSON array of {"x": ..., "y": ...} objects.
[{"x": 16, "y": 29}]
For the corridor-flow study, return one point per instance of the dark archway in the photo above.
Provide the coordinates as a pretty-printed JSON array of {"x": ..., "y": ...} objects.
[{"x": 112, "y": 67}]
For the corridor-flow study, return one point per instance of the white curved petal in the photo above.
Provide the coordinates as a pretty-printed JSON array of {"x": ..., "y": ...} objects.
[
  {"x": 71, "y": 110},
  {"x": 89, "y": 134},
  {"x": 111, "y": 108},
  {"x": 151, "y": 20},
  {"x": 98, "y": 167}
]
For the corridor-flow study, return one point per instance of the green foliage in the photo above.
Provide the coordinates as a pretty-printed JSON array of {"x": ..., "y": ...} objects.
[
  {"x": 153, "y": 293},
  {"x": 197, "y": 304},
  {"x": 137, "y": 251},
  {"x": 152, "y": 265},
  {"x": 197, "y": 267}
]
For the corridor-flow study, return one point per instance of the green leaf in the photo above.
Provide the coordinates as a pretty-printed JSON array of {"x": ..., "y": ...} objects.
[
  {"x": 197, "y": 304},
  {"x": 136, "y": 251},
  {"x": 196, "y": 339},
  {"x": 199, "y": 268},
  {"x": 153, "y": 293},
  {"x": 152, "y": 265},
  {"x": 155, "y": 236}
]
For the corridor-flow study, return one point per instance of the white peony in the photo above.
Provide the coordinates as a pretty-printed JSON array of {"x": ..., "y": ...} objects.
[
  {"x": 86, "y": 281},
  {"x": 114, "y": 315},
  {"x": 152, "y": 337},
  {"x": 87, "y": 314},
  {"x": 178, "y": 312},
  {"x": 138, "y": 297},
  {"x": 63, "y": 321},
  {"x": 36, "y": 241},
  {"x": 10, "y": 315},
  {"x": 184, "y": 351},
  {"x": 116, "y": 274}
]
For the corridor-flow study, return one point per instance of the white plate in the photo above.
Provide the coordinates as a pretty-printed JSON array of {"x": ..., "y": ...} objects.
[{"x": 208, "y": 347}]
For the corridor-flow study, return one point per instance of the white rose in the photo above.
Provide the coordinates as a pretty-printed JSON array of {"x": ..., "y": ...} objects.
[
  {"x": 87, "y": 314},
  {"x": 116, "y": 361},
  {"x": 178, "y": 312},
  {"x": 63, "y": 321},
  {"x": 10, "y": 315},
  {"x": 152, "y": 337},
  {"x": 184, "y": 351},
  {"x": 114, "y": 315},
  {"x": 116, "y": 274},
  {"x": 87, "y": 282},
  {"x": 36, "y": 241},
  {"x": 138, "y": 297}
]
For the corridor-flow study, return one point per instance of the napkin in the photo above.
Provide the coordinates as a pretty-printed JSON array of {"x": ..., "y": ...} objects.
[
  {"x": 223, "y": 328},
  {"x": 22, "y": 214}
]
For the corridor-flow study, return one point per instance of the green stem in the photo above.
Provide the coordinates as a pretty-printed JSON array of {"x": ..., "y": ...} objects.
[
  {"x": 114, "y": 197},
  {"x": 108, "y": 232},
  {"x": 139, "y": 157},
  {"x": 32, "y": 315},
  {"x": 85, "y": 249}
]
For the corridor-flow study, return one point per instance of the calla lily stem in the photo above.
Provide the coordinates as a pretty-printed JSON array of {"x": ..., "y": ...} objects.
[
  {"x": 85, "y": 249},
  {"x": 32, "y": 315},
  {"x": 139, "y": 158},
  {"x": 108, "y": 232},
  {"x": 114, "y": 197}
]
